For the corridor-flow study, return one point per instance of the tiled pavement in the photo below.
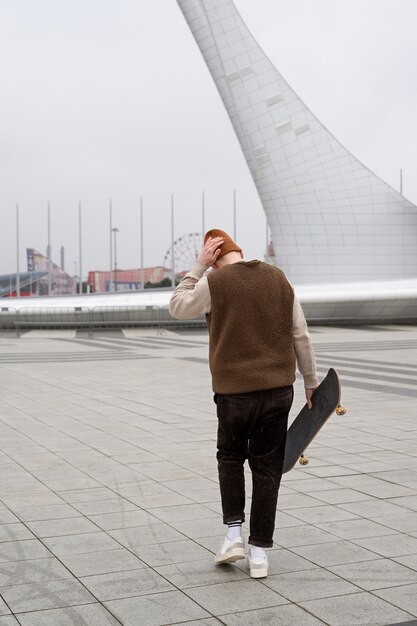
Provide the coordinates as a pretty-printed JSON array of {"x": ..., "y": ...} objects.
[{"x": 109, "y": 505}]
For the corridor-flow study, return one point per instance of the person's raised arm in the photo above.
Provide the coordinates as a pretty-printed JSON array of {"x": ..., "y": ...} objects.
[{"x": 191, "y": 297}]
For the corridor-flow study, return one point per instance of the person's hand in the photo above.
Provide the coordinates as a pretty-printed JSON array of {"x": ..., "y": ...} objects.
[
  {"x": 209, "y": 254},
  {"x": 309, "y": 396}
]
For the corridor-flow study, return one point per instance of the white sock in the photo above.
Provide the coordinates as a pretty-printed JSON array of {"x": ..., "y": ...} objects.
[
  {"x": 234, "y": 530},
  {"x": 255, "y": 552}
]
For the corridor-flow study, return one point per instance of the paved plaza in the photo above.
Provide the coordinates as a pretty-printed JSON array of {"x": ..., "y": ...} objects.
[{"x": 109, "y": 503}]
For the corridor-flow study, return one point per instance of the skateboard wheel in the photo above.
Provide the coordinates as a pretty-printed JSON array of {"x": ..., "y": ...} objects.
[
  {"x": 340, "y": 410},
  {"x": 303, "y": 460}
]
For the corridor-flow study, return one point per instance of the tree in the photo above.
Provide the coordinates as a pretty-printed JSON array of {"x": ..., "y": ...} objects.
[{"x": 165, "y": 282}]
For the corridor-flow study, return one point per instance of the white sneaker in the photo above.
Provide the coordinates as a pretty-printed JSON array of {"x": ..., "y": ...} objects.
[
  {"x": 258, "y": 567},
  {"x": 232, "y": 550}
]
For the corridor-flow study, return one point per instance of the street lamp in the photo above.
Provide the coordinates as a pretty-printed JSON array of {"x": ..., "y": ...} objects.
[{"x": 115, "y": 231}]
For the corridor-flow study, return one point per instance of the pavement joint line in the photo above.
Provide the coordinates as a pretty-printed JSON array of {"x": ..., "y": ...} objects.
[
  {"x": 118, "y": 495},
  {"x": 151, "y": 343},
  {"x": 346, "y": 380},
  {"x": 89, "y": 359},
  {"x": 112, "y": 344},
  {"x": 114, "y": 539},
  {"x": 337, "y": 434},
  {"x": 95, "y": 343},
  {"x": 400, "y": 367},
  {"x": 110, "y": 404},
  {"x": 363, "y": 345},
  {"x": 52, "y": 556},
  {"x": 365, "y": 369},
  {"x": 176, "y": 342}
]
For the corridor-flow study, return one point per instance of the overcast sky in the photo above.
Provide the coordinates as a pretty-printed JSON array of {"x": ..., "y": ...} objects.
[{"x": 109, "y": 99}]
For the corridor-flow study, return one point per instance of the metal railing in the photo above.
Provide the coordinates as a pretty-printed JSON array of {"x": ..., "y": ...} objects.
[
  {"x": 89, "y": 319},
  {"x": 8, "y": 316}
]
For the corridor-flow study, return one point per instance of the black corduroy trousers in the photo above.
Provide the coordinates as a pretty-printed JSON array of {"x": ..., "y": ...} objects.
[{"x": 252, "y": 426}]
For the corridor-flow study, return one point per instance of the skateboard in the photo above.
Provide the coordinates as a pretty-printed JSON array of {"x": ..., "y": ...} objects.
[{"x": 308, "y": 423}]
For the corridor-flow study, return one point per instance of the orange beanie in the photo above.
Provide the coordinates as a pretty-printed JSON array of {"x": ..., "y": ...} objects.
[{"x": 228, "y": 244}]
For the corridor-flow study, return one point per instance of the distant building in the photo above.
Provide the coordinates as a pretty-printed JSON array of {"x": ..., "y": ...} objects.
[
  {"x": 34, "y": 282},
  {"x": 126, "y": 280},
  {"x": 61, "y": 282},
  {"x": 30, "y": 284}
]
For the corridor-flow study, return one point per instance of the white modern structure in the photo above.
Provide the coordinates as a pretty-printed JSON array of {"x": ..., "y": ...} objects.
[
  {"x": 383, "y": 302},
  {"x": 332, "y": 220}
]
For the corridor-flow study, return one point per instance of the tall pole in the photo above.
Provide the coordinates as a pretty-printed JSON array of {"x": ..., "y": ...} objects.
[
  {"x": 111, "y": 247},
  {"x": 17, "y": 253},
  {"x": 75, "y": 275},
  {"x": 115, "y": 258},
  {"x": 172, "y": 241},
  {"x": 234, "y": 214},
  {"x": 49, "y": 252},
  {"x": 203, "y": 213},
  {"x": 142, "y": 269},
  {"x": 401, "y": 181},
  {"x": 115, "y": 231},
  {"x": 80, "y": 249}
]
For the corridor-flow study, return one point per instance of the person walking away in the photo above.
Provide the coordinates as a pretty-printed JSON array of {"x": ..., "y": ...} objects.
[{"x": 257, "y": 336}]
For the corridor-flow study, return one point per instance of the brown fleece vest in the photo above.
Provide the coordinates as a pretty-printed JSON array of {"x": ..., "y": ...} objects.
[{"x": 250, "y": 328}]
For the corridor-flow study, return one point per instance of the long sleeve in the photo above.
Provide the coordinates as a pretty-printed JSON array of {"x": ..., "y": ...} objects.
[
  {"x": 303, "y": 348},
  {"x": 191, "y": 297}
]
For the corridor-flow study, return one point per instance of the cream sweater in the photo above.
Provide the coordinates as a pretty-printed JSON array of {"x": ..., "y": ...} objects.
[{"x": 191, "y": 299}]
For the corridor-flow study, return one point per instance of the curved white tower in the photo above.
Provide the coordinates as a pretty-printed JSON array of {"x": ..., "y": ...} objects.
[{"x": 331, "y": 218}]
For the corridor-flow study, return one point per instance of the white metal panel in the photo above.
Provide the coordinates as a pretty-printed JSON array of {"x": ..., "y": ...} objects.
[{"x": 302, "y": 168}]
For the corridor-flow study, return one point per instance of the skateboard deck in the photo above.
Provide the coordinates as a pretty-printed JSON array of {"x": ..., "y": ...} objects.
[{"x": 308, "y": 423}]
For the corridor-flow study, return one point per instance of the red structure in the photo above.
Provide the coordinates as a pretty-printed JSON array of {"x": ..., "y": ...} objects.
[{"x": 126, "y": 280}]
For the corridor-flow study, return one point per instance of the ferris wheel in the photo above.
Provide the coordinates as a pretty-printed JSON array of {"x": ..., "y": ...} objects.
[{"x": 183, "y": 252}]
